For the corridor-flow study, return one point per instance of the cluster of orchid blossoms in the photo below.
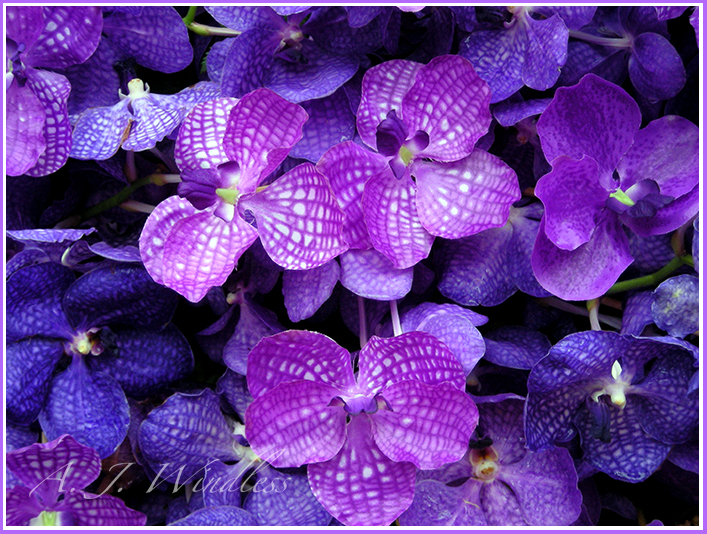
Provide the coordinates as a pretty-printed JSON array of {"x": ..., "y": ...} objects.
[{"x": 248, "y": 302}]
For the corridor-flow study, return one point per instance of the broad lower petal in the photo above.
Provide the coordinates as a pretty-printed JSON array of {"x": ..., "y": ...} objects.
[
  {"x": 655, "y": 67},
  {"x": 305, "y": 291},
  {"x": 436, "y": 504},
  {"x": 371, "y": 275},
  {"x": 99, "y": 132},
  {"x": 360, "y": 485}
]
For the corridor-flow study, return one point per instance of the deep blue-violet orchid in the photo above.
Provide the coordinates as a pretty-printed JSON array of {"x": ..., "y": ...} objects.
[
  {"x": 138, "y": 122},
  {"x": 112, "y": 326},
  {"x": 606, "y": 173},
  {"x": 225, "y": 149},
  {"x": 362, "y": 436},
  {"x": 628, "y": 397},
  {"x": 503, "y": 482},
  {"x": 38, "y": 129},
  {"x": 524, "y": 50},
  {"x": 50, "y": 493},
  {"x": 425, "y": 120},
  {"x": 187, "y": 440}
]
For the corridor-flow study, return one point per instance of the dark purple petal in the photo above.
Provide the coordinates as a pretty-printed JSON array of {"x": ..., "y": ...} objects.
[
  {"x": 118, "y": 295},
  {"x": 348, "y": 166},
  {"x": 450, "y": 102},
  {"x": 248, "y": 61},
  {"x": 285, "y": 500},
  {"x": 126, "y": 253},
  {"x": 594, "y": 118},
  {"x": 34, "y": 302},
  {"x": 416, "y": 356},
  {"x": 360, "y": 485},
  {"x": 500, "y": 505},
  {"x": 242, "y": 18},
  {"x": 667, "y": 152},
  {"x": 254, "y": 323},
  {"x": 412, "y": 318},
  {"x": 262, "y": 128},
  {"x": 516, "y": 346},
  {"x": 292, "y": 424},
  {"x": 695, "y": 22},
  {"x": 361, "y": 15},
  {"x": 574, "y": 17},
  {"x": 100, "y": 131},
  {"x": 298, "y": 355},
  {"x": 330, "y": 122},
  {"x": 320, "y": 75},
  {"x": 666, "y": 421},
  {"x": 25, "y": 129},
  {"x": 30, "y": 366},
  {"x": 94, "y": 83},
  {"x": 436, "y": 504},
  {"x": 428, "y": 425},
  {"x": 655, "y": 67},
  {"x": 545, "y": 484},
  {"x": 217, "y": 516},
  {"x": 390, "y": 135},
  {"x": 91, "y": 407},
  {"x": 383, "y": 89},
  {"x": 371, "y": 275},
  {"x": 497, "y": 57},
  {"x": 199, "y": 143},
  {"x": 696, "y": 244},
  {"x": 675, "y": 306},
  {"x": 464, "y": 197},
  {"x": 637, "y": 313},
  {"x": 101, "y": 510},
  {"x": 588, "y": 271},
  {"x": 501, "y": 420},
  {"x": 184, "y": 435},
  {"x": 305, "y": 291},
  {"x": 667, "y": 218},
  {"x": 631, "y": 456},
  {"x": 546, "y": 52},
  {"x": 394, "y": 226},
  {"x": 48, "y": 469},
  {"x": 145, "y": 362},
  {"x": 573, "y": 198},
  {"x": 234, "y": 388},
  {"x": 509, "y": 113},
  {"x": 473, "y": 270},
  {"x": 70, "y": 36},
  {"x": 299, "y": 220},
  {"x": 157, "y": 38}
]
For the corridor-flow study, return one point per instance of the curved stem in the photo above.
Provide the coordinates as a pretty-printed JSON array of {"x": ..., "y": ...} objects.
[
  {"x": 202, "y": 29},
  {"x": 397, "y": 328},
  {"x": 613, "y": 42},
  {"x": 189, "y": 18},
  {"x": 608, "y": 320},
  {"x": 651, "y": 279},
  {"x": 593, "y": 307}
]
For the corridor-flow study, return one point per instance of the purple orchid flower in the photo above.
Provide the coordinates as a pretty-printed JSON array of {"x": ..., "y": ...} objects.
[
  {"x": 361, "y": 436},
  {"x": 628, "y": 397},
  {"x": 137, "y": 122},
  {"x": 424, "y": 121},
  {"x": 587, "y": 132},
  {"x": 50, "y": 493},
  {"x": 112, "y": 325},
  {"x": 504, "y": 483},
  {"x": 525, "y": 51},
  {"x": 38, "y": 130},
  {"x": 226, "y": 148},
  {"x": 305, "y": 55}
]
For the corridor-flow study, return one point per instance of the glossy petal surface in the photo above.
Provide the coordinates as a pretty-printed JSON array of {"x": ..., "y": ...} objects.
[
  {"x": 368, "y": 474},
  {"x": 299, "y": 220}
]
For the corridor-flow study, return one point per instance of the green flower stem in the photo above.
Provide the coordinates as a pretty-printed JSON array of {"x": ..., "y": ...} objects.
[
  {"x": 202, "y": 29},
  {"x": 189, "y": 18},
  {"x": 652, "y": 279},
  {"x": 122, "y": 196},
  {"x": 613, "y": 322}
]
